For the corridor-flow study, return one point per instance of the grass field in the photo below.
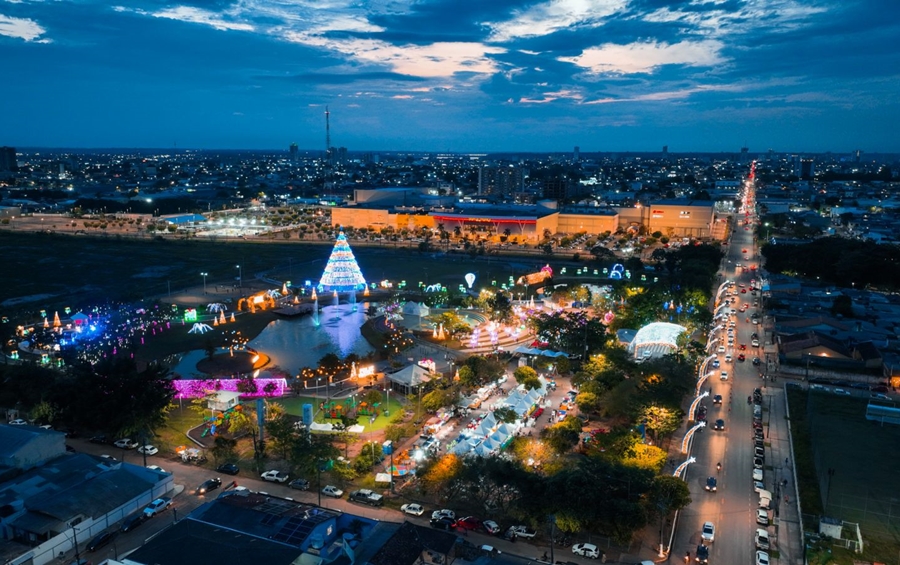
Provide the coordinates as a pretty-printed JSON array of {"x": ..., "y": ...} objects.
[
  {"x": 864, "y": 458},
  {"x": 294, "y": 406},
  {"x": 77, "y": 271}
]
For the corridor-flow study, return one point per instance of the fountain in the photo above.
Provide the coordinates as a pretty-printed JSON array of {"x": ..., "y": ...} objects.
[
  {"x": 335, "y": 301},
  {"x": 315, "y": 312},
  {"x": 353, "y": 300}
]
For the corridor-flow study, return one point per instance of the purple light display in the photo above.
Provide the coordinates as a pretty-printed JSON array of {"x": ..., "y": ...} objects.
[{"x": 196, "y": 388}]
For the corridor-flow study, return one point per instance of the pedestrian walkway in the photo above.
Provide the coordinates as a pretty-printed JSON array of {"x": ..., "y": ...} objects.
[{"x": 788, "y": 538}]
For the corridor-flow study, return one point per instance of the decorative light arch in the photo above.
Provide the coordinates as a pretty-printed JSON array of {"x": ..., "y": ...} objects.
[
  {"x": 679, "y": 470},
  {"x": 689, "y": 434},
  {"x": 695, "y": 403}
]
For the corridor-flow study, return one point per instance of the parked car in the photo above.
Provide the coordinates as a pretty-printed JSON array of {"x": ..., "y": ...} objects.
[
  {"x": 133, "y": 521},
  {"x": 412, "y": 509},
  {"x": 762, "y": 558},
  {"x": 157, "y": 506},
  {"x": 762, "y": 539},
  {"x": 208, "y": 485},
  {"x": 757, "y": 474},
  {"x": 99, "y": 439},
  {"x": 148, "y": 449},
  {"x": 588, "y": 550},
  {"x": 758, "y": 463},
  {"x": 443, "y": 523},
  {"x": 758, "y": 486},
  {"x": 101, "y": 540},
  {"x": 708, "y": 533},
  {"x": 491, "y": 527},
  {"x": 438, "y": 514},
  {"x": 274, "y": 476},
  {"x": 156, "y": 468},
  {"x": 228, "y": 469},
  {"x": 523, "y": 531},
  {"x": 762, "y": 516},
  {"x": 469, "y": 523},
  {"x": 126, "y": 443},
  {"x": 332, "y": 491},
  {"x": 18, "y": 422},
  {"x": 299, "y": 484}
]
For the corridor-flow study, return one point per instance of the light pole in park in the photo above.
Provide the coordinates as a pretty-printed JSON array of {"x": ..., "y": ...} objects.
[
  {"x": 204, "y": 275},
  {"x": 240, "y": 276}
]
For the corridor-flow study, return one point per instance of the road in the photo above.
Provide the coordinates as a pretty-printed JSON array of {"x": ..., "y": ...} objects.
[{"x": 733, "y": 507}]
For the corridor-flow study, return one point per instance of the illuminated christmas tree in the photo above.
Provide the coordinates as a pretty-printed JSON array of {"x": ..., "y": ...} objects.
[{"x": 342, "y": 273}]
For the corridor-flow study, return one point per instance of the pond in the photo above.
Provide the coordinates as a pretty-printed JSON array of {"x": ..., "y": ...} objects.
[{"x": 295, "y": 343}]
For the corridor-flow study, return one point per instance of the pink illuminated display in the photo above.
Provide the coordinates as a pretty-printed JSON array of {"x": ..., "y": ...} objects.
[{"x": 193, "y": 388}]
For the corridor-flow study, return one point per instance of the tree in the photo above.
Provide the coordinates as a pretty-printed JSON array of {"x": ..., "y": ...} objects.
[
  {"x": 587, "y": 402},
  {"x": 439, "y": 398},
  {"x": 440, "y": 477},
  {"x": 667, "y": 494},
  {"x": 663, "y": 421},
  {"x": 281, "y": 432},
  {"x": 223, "y": 449},
  {"x": 562, "y": 436},
  {"x": 527, "y": 377},
  {"x": 506, "y": 415}
]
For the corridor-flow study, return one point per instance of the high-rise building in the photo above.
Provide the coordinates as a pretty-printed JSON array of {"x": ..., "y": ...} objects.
[
  {"x": 559, "y": 188},
  {"x": 804, "y": 167},
  {"x": 576, "y": 154},
  {"x": 8, "y": 160},
  {"x": 502, "y": 180},
  {"x": 665, "y": 150},
  {"x": 295, "y": 153},
  {"x": 745, "y": 155}
]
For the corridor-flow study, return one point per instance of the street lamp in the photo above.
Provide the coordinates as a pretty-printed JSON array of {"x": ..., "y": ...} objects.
[
  {"x": 240, "y": 275},
  {"x": 204, "y": 275}
]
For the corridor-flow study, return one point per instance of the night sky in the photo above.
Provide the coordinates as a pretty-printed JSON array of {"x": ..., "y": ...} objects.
[{"x": 453, "y": 75}]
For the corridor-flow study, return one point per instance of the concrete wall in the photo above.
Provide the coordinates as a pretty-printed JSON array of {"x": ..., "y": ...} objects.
[{"x": 590, "y": 223}]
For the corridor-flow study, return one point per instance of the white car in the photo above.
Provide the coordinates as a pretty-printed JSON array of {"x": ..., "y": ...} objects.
[
  {"x": 758, "y": 486},
  {"x": 728, "y": 358},
  {"x": 157, "y": 506},
  {"x": 586, "y": 550},
  {"x": 438, "y": 514},
  {"x": 724, "y": 376},
  {"x": 523, "y": 531},
  {"x": 125, "y": 443},
  {"x": 332, "y": 491},
  {"x": 762, "y": 558},
  {"x": 18, "y": 422},
  {"x": 156, "y": 468},
  {"x": 491, "y": 527},
  {"x": 757, "y": 474},
  {"x": 721, "y": 349},
  {"x": 841, "y": 392},
  {"x": 148, "y": 449},
  {"x": 275, "y": 476},
  {"x": 414, "y": 509},
  {"x": 708, "y": 534},
  {"x": 762, "y": 516}
]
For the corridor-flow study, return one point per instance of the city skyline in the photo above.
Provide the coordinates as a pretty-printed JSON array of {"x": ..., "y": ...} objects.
[{"x": 511, "y": 76}]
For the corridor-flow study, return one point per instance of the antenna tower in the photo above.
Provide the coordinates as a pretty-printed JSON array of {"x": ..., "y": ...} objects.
[{"x": 327, "y": 134}]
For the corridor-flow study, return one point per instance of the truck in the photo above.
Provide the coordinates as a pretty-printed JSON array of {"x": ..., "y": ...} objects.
[{"x": 366, "y": 496}]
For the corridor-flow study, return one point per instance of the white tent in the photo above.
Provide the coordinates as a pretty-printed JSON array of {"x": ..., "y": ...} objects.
[{"x": 415, "y": 309}]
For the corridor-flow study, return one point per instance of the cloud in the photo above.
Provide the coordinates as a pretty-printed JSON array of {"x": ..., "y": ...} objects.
[
  {"x": 553, "y": 96},
  {"x": 552, "y": 16},
  {"x": 194, "y": 15},
  {"x": 646, "y": 56},
  {"x": 433, "y": 60},
  {"x": 344, "y": 77},
  {"x": 22, "y": 28}
]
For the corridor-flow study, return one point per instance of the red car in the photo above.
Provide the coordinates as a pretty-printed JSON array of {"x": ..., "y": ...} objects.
[
  {"x": 741, "y": 357},
  {"x": 469, "y": 523},
  {"x": 743, "y": 347},
  {"x": 743, "y": 291}
]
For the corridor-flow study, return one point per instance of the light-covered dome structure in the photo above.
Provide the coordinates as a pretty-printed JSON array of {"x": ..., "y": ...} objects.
[{"x": 658, "y": 338}]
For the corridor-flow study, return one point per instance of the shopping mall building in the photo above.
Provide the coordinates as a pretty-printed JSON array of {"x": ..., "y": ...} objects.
[{"x": 408, "y": 209}]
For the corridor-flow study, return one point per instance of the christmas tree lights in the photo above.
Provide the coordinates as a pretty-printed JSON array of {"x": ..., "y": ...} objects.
[{"x": 341, "y": 273}]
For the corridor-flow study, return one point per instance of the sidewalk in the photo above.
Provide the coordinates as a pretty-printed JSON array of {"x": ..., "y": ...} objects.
[{"x": 788, "y": 537}]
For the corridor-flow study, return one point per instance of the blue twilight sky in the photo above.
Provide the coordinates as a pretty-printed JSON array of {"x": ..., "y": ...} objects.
[{"x": 453, "y": 75}]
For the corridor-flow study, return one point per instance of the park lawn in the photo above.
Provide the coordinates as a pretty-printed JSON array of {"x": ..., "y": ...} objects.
[
  {"x": 294, "y": 406},
  {"x": 174, "y": 433}
]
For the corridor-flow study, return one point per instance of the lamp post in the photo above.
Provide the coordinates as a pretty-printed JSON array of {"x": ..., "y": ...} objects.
[
  {"x": 204, "y": 275},
  {"x": 240, "y": 275}
]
